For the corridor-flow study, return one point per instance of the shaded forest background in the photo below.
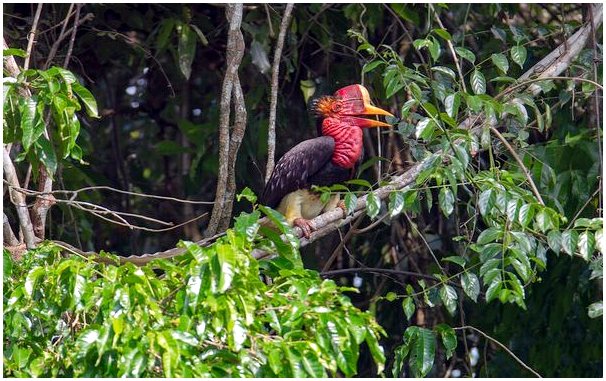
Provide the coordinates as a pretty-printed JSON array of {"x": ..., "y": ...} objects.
[{"x": 157, "y": 134}]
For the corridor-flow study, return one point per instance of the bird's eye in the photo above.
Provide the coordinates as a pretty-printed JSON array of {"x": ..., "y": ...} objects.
[{"x": 336, "y": 107}]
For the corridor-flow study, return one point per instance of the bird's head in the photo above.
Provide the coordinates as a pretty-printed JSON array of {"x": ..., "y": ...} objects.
[
  {"x": 344, "y": 115},
  {"x": 348, "y": 107}
]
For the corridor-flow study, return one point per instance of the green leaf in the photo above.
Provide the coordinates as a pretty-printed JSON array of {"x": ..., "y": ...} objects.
[
  {"x": 396, "y": 203},
  {"x": 248, "y": 194},
  {"x": 543, "y": 221},
  {"x": 518, "y": 55},
  {"x": 28, "y": 111},
  {"x": 351, "y": 200},
  {"x": 493, "y": 290},
  {"x": 449, "y": 298},
  {"x": 525, "y": 214},
  {"x": 486, "y": 201},
  {"x": 201, "y": 35},
  {"x": 455, "y": 259},
  {"x": 376, "y": 351},
  {"x": 446, "y": 201},
  {"x": 445, "y": 70},
  {"x": 370, "y": 66},
  {"x": 466, "y": 54},
  {"x": 569, "y": 241},
  {"x": 166, "y": 27},
  {"x": 422, "y": 344},
  {"x": 373, "y": 205},
  {"x": 443, "y": 33},
  {"x": 408, "y": 305},
  {"x": 425, "y": 128},
  {"x": 312, "y": 365},
  {"x": 14, "y": 52},
  {"x": 406, "y": 107},
  {"x": 449, "y": 338},
  {"x": 478, "y": 82},
  {"x": 489, "y": 235},
  {"x": 434, "y": 49},
  {"x": 46, "y": 154},
  {"x": 87, "y": 98},
  {"x": 554, "y": 240},
  {"x": 586, "y": 244},
  {"x": 474, "y": 102},
  {"x": 595, "y": 310},
  {"x": 452, "y": 103},
  {"x": 500, "y": 61},
  {"x": 360, "y": 182},
  {"x": 186, "y": 49},
  {"x": 471, "y": 285}
]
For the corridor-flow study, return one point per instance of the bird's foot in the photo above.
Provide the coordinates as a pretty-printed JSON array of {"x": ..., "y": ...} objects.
[
  {"x": 341, "y": 205},
  {"x": 305, "y": 226}
]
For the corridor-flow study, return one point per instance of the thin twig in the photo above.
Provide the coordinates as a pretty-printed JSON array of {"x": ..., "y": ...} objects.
[
  {"x": 376, "y": 270},
  {"x": 577, "y": 214},
  {"x": 341, "y": 244},
  {"x": 62, "y": 34},
  {"x": 523, "y": 168},
  {"x": 74, "y": 194},
  {"x": 31, "y": 38},
  {"x": 271, "y": 131},
  {"x": 452, "y": 50},
  {"x": 73, "y": 36},
  {"x": 501, "y": 345}
]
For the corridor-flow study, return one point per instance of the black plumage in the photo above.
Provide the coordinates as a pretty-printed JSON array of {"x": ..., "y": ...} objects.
[{"x": 306, "y": 164}]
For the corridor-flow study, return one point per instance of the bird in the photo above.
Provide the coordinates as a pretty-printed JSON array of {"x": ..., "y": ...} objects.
[{"x": 329, "y": 159}]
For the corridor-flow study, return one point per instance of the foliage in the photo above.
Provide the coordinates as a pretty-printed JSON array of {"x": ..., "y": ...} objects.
[
  {"x": 55, "y": 92},
  {"x": 205, "y": 314}
]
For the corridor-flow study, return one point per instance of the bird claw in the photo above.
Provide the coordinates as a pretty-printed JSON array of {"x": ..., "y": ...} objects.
[
  {"x": 341, "y": 205},
  {"x": 304, "y": 225}
]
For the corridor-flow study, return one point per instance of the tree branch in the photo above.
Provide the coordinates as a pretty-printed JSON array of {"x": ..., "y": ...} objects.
[
  {"x": 237, "y": 135},
  {"x": 31, "y": 38},
  {"x": 271, "y": 130},
  {"x": 235, "y": 51},
  {"x": 19, "y": 200},
  {"x": 500, "y": 345}
]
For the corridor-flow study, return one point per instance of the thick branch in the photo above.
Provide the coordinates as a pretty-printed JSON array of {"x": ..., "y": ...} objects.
[
  {"x": 19, "y": 200},
  {"x": 235, "y": 51},
  {"x": 237, "y": 135},
  {"x": 271, "y": 130}
]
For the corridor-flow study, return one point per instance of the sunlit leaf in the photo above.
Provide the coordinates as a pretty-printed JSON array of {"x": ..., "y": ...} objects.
[
  {"x": 518, "y": 55},
  {"x": 478, "y": 82}
]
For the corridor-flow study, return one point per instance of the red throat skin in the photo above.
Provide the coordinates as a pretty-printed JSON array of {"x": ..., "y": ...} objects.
[{"x": 348, "y": 142}]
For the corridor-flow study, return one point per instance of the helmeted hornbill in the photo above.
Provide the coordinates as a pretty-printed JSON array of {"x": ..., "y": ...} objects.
[{"x": 323, "y": 161}]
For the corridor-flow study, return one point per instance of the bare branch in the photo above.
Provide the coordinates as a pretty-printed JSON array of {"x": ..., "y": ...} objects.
[
  {"x": 19, "y": 200},
  {"x": 271, "y": 130},
  {"x": 235, "y": 51},
  {"x": 237, "y": 135},
  {"x": 523, "y": 168},
  {"x": 73, "y": 36},
  {"x": 500, "y": 345},
  {"x": 452, "y": 50},
  {"x": 560, "y": 59},
  {"x": 31, "y": 37}
]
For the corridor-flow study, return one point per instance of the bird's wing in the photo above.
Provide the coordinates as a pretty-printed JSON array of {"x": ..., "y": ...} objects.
[{"x": 294, "y": 170}]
